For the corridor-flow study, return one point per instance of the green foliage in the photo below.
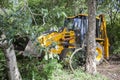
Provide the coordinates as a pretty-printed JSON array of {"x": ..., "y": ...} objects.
[
  {"x": 33, "y": 69},
  {"x": 114, "y": 32},
  {"x": 78, "y": 75},
  {"x": 3, "y": 74},
  {"x": 53, "y": 12},
  {"x": 50, "y": 66},
  {"x": 16, "y": 21},
  {"x": 5, "y": 3}
]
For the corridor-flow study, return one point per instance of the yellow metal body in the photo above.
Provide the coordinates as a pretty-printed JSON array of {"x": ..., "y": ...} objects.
[
  {"x": 61, "y": 38},
  {"x": 103, "y": 40},
  {"x": 58, "y": 39},
  {"x": 99, "y": 51}
]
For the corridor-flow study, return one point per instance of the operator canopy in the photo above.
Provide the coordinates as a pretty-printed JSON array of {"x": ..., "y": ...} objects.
[{"x": 80, "y": 25}]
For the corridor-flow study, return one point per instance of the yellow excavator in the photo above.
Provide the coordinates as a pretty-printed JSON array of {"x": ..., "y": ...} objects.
[{"x": 73, "y": 35}]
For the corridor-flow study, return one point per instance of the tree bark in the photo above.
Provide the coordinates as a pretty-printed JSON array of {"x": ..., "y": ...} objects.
[
  {"x": 13, "y": 72},
  {"x": 91, "y": 43},
  {"x": 9, "y": 53}
]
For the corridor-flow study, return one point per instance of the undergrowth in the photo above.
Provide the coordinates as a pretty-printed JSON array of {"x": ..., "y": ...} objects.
[
  {"x": 50, "y": 69},
  {"x": 3, "y": 70},
  {"x": 78, "y": 75},
  {"x": 34, "y": 69}
]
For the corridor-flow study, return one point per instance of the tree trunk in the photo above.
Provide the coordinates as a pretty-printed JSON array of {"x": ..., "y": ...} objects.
[
  {"x": 91, "y": 43},
  {"x": 13, "y": 72}
]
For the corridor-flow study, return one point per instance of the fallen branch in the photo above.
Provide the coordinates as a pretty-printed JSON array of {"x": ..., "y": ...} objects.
[
  {"x": 106, "y": 61},
  {"x": 70, "y": 62}
]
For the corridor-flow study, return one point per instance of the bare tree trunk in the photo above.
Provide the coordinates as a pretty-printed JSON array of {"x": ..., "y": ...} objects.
[
  {"x": 13, "y": 72},
  {"x": 91, "y": 43},
  {"x": 9, "y": 53}
]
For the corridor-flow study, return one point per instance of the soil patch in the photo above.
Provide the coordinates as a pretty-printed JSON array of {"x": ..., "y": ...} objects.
[{"x": 111, "y": 70}]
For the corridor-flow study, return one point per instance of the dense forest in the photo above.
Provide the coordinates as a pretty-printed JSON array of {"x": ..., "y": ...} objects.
[{"x": 23, "y": 21}]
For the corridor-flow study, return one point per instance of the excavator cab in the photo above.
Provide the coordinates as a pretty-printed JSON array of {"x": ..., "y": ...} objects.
[{"x": 79, "y": 24}]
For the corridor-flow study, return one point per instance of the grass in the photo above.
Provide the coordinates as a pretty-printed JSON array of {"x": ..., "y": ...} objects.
[{"x": 78, "y": 75}]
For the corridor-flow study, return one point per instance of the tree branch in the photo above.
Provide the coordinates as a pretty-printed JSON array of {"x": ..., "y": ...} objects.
[{"x": 4, "y": 11}]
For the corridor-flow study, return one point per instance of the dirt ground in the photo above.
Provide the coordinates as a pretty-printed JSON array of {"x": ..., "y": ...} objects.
[{"x": 111, "y": 69}]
